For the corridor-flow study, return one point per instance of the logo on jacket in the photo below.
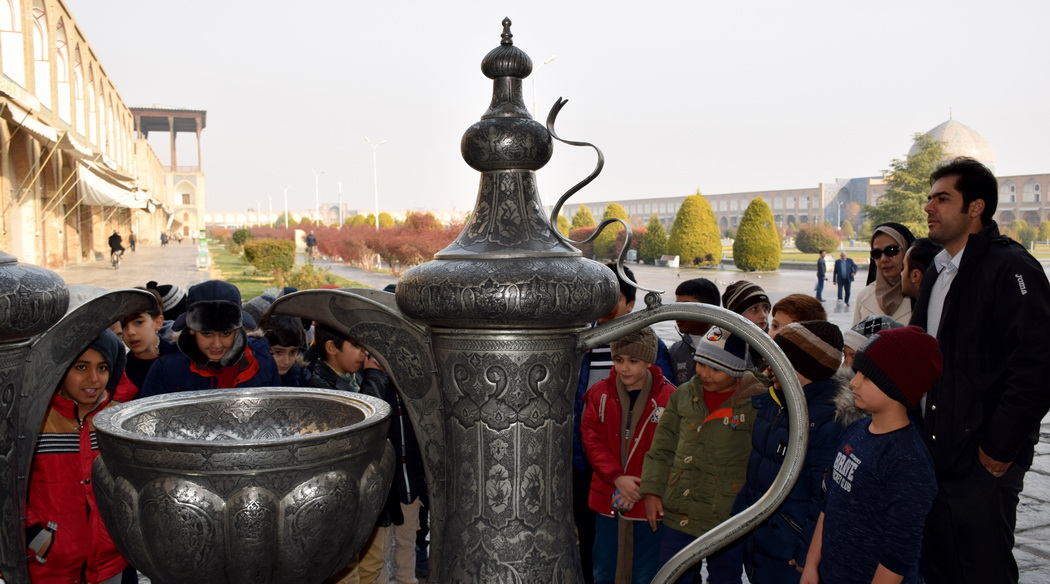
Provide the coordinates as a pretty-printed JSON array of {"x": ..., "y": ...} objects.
[
  {"x": 734, "y": 421},
  {"x": 657, "y": 411},
  {"x": 1020, "y": 284}
]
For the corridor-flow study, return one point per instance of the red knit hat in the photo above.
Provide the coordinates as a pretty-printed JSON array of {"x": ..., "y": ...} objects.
[{"x": 903, "y": 362}]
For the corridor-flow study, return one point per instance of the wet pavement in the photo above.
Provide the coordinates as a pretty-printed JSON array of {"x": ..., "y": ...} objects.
[{"x": 176, "y": 264}]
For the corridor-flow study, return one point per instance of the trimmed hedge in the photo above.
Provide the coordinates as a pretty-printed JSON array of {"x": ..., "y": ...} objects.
[
  {"x": 813, "y": 238},
  {"x": 695, "y": 234},
  {"x": 757, "y": 243},
  {"x": 270, "y": 255}
]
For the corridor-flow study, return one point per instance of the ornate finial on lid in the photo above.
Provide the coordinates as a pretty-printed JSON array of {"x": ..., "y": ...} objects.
[
  {"x": 508, "y": 38},
  {"x": 506, "y": 60}
]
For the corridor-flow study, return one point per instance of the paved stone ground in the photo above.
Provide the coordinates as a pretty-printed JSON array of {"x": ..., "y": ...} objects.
[{"x": 176, "y": 264}]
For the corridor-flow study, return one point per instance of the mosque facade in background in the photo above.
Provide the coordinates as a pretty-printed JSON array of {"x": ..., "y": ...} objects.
[{"x": 1020, "y": 197}]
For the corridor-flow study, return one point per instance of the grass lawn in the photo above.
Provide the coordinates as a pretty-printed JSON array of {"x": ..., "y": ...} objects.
[{"x": 231, "y": 268}]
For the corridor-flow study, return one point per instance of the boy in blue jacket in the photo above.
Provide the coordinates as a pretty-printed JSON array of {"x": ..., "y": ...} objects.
[
  {"x": 775, "y": 550},
  {"x": 882, "y": 483},
  {"x": 214, "y": 352}
]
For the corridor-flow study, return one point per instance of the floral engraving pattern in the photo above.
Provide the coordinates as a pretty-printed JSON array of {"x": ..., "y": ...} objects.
[{"x": 509, "y": 431}]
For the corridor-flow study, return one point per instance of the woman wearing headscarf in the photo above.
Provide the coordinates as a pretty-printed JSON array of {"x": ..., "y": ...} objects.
[{"x": 883, "y": 294}]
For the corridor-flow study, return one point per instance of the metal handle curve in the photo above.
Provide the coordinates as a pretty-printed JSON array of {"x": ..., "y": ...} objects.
[{"x": 798, "y": 420}]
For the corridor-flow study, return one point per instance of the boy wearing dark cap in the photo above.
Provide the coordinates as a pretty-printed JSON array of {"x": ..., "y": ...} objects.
[
  {"x": 882, "y": 481},
  {"x": 699, "y": 291},
  {"x": 620, "y": 416},
  {"x": 214, "y": 349},
  {"x": 777, "y": 545}
]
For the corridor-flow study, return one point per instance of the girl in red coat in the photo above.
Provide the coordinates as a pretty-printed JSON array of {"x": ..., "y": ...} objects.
[
  {"x": 61, "y": 499},
  {"x": 620, "y": 414}
]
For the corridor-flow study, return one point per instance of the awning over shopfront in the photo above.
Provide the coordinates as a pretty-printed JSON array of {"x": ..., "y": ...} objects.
[
  {"x": 30, "y": 124},
  {"x": 96, "y": 190}
]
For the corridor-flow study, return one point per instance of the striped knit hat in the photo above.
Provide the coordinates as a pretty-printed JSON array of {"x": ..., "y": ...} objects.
[
  {"x": 741, "y": 295},
  {"x": 723, "y": 351},
  {"x": 640, "y": 344},
  {"x": 814, "y": 348}
]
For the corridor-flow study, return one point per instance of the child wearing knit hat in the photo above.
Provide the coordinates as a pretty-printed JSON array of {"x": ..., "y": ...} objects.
[
  {"x": 697, "y": 462},
  {"x": 620, "y": 417},
  {"x": 882, "y": 481},
  {"x": 214, "y": 350},
  {"x": 748, "y": 300},
  {"x": 777, "y": 545}
]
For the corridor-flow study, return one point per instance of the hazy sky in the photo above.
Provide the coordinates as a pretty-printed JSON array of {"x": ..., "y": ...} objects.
[{"x": 680, "y": 95}]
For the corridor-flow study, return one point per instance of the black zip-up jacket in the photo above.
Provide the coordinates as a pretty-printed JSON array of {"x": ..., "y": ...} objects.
[{"x": 995, "y": 339}]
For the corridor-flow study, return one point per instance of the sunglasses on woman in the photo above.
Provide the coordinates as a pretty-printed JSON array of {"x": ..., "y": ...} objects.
[{"x": 889, "y": 250}]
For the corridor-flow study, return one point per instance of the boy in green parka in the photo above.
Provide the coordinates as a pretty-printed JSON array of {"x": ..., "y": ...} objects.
[{"x": 698, "y": 459}]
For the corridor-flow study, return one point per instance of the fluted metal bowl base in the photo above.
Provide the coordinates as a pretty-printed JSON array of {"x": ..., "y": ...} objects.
[{"x": 256, "y": 485}]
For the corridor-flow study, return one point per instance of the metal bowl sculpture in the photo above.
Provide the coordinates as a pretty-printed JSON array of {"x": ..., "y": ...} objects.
[{"x": 257, "y": 485}]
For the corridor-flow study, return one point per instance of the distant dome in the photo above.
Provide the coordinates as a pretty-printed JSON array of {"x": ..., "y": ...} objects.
[{"x": 962, "y": 140}]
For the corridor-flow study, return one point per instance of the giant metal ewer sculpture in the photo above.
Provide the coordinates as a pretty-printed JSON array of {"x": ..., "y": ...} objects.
[{"x": 485, "y": 344}]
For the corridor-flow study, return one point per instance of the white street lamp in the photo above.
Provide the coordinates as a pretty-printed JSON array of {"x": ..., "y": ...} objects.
[
  {"x": 536, "y": 72},
  {"x": 375, "y": 175},
  {"x": 340, "y": 212},
  {"x": 317, "y": 193},
  {"x": 286, "y": 207},
  {"x": 840, "y": 221}
]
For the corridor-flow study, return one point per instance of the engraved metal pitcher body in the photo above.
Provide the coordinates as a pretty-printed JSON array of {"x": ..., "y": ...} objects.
[{"x": 485, "y": 344}]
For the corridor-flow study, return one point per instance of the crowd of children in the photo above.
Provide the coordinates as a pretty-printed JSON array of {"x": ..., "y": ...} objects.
[
  {"x": 665, "y": 461},
  {"x": 713, "y": 446},
  {"x": 203, "y": 338}
]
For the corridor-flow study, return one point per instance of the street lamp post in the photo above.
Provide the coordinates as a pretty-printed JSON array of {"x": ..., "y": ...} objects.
[
  {"x": 269, "y": 215},
  {"x": 286, "y": 207},
  {"x": 536, "y": 72},
  {"x": 841, "y": 244},
  {"x": 340, "y": 204},
  {"x": 375, "y": 175},
  {"x": 317, "y": 193},
  {"x": 258, "y": 213}
]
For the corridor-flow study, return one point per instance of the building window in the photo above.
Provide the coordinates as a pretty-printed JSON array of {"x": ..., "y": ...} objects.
[
  {"x": 185, "y": 198},
  {"x": 1007, "y": 192}
]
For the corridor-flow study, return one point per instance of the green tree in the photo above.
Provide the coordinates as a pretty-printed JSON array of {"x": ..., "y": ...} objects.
[
  {"x": 813, "y": 238},
  {"x": 583, "y": 218},
  {"x": 1023, "y": 233},
  {"x": 386, "y": 220},
  {"x": 694, "y": 233},
  {"x": 605, "y": 243},
  {"x": 907, "y": 184},
  {"x": 654, "y": 244},
  {"x": 865, "y": 231},
  {"x": 1044, "y": 231},
  {"x": 563, "y": 225},
  {"x": 241, "y": 236},
  {"x": 757, "y": 244},
  {"x": 847, "y": 230}
]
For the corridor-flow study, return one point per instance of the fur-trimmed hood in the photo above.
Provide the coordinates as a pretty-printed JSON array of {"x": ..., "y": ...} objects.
[
  {"x": 187, "y": 344},
  {"x": 846, "y": 410}
]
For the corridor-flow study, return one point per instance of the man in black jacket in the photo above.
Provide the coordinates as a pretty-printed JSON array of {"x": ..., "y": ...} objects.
[{"x": 987, "y": 300}]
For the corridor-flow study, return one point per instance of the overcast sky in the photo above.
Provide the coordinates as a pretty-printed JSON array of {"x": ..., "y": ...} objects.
[{"x": 680, "y": 95}]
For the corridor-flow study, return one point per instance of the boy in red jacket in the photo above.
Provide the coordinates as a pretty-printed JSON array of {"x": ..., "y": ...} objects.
[{"x": 620, "y": 414}]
